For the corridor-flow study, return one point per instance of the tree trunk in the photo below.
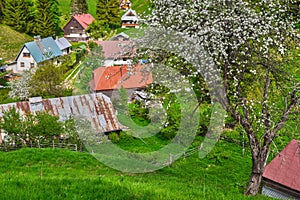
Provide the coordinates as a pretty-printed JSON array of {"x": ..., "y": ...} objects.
[
  {"x": 254, "y": 184},
  {"x": 258, "y": 167}
]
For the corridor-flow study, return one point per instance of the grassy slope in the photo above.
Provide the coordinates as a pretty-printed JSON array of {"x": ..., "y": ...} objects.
[
  {"x": 140, "y": 5},
  {"x": 11, "y": 42},
  {"x": 62, "y": 174}
]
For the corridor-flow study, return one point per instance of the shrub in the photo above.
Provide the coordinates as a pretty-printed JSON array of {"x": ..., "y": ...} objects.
[
  {"x": 114, "y": 138},
  {"x": 92, "y": 45}
]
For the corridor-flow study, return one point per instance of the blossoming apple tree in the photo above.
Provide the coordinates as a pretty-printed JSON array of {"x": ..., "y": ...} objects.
[{"x": 249, "y": 42}]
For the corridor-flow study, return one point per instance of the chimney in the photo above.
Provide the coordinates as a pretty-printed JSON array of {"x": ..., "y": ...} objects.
[{"x": 37, "y": 38}]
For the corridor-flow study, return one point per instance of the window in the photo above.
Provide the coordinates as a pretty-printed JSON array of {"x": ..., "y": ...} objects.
[
  {"x": 22, "y": 64},
  {"x": 31, "y": 65},
  {"x": 26, "y": 55}
]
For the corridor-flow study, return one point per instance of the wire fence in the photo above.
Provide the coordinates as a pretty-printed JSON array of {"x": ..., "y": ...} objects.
[{"x": 54, "y": 145}]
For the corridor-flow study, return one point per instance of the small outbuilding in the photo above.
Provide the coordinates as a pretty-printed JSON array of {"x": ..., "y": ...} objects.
[{"x": 281, "y": 178}]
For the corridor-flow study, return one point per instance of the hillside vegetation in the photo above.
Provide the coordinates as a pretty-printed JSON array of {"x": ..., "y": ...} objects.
[
  {"x": 62, "y": 174},
  {"x": 139, "y": 5},
  {"x": 11, "y": 42}
]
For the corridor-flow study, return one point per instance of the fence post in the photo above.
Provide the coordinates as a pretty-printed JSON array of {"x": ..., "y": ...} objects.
[
  {"x": 53, "y": 144},
  {"x": 171, "y": 159},
  {"x": 75, "y": 147},
  {"x": 5, "y": 146},
  {"x": 200, "y": 147}
]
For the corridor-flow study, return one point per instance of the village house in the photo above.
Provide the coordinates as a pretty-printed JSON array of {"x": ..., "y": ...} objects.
[
  {"x": 108, "y": 80},
  {"x": 130, "y": 19},
  {"x": 117, "y": 52},
  {"x": 281, "y": 178},
  {"x": 75, "y": 29},
  {"x": 95, "y": 107},
  {"x": 37, "y": 51}
]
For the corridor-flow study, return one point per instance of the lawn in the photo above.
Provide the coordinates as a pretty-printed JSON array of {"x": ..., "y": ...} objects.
[{"x": 63, "y": 174}]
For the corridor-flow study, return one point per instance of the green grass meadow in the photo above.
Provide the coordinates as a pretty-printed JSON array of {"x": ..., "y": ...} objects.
[{"x": 62, "y": 174}]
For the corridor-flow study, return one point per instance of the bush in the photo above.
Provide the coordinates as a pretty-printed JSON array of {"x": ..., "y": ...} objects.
[
  {"x": 114, "y": 138},
  {"x": 92, "y": 45}
]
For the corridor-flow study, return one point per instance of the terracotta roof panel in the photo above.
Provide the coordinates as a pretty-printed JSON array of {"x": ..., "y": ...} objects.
[
  {"x": 84, "y": 20},
  {"x": 285, "y": 167},
  {"x": 115, "y": 77}
]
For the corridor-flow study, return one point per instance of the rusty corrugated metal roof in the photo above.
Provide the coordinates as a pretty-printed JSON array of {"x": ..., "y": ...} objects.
[{"x": 96, "y": 107}]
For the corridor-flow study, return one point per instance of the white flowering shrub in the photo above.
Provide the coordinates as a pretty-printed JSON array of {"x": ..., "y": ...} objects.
[{"x": 20, "y": 89}]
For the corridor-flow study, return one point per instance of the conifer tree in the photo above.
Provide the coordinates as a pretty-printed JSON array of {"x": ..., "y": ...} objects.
[
  {"x": 78, "y": 7},
  {"x": 108, "y": 12},
  {"x": 16, "y": 14},
  {"x": 114, "y": 12},
  {"x": 46, "y": 18},
  {"x": 1, "y": 13}
]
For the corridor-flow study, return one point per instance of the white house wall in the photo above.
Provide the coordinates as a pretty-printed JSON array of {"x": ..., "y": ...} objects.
[
  {"x": 26, "y": 61},
  {"x": 108, "y": 62}
]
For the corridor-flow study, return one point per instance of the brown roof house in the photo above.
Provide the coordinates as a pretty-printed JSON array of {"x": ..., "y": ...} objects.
[
  {"x": 97, "y": 108},
  {"x": 281, "y": 178},
  {"x": 75, "y": 29},
  {"x": 108, "y": 80},
  {"x": 117, "y": 52}
]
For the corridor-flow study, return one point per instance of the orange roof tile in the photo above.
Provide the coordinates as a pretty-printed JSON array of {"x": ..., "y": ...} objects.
[
  {"x": 285, "y": 167},
  {"x": 115, "y": 77}
]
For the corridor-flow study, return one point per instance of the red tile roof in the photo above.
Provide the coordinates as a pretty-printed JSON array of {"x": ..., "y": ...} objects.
[
  {"x": 84, "y": 20},
  {"x": 115, "y": 77},
  {"x": 285, "y": 167},
  {"x": 116, "y": 49}
]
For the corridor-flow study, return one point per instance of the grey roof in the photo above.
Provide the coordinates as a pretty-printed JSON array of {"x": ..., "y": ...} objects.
[
  {"x": 63, "y": 43},
  {"x": 124, "y": 35},
  {"x": 130, "y": 15},
  {"x": 42, "y": 49},
  {"x": 95, "y": 107}
]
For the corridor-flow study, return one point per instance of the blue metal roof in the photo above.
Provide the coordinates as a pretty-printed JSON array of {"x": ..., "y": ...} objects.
[
  {"x": 63, "y": 43},
  {"x": 43, "y": 49}
]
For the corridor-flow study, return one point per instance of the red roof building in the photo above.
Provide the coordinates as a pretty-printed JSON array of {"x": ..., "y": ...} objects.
[
  {"x": 75, "y": 29},
  {"x": 84, "y": 20},
  {"x": 281, "y": 177},
  {"x": 132, "y": 78}
]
